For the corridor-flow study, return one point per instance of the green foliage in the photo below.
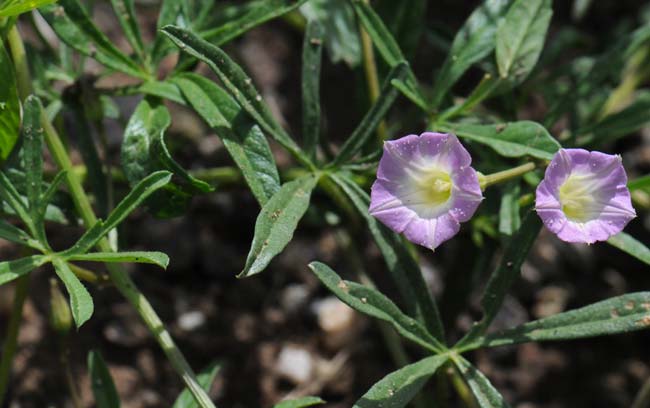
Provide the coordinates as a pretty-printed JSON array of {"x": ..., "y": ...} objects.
[
  {"x": 277, "y": 222},
  {"x": 300, "y": 403},
  {"x": 398, "y": 388},
  {"x": 240, "y": 135},
  {"x": 630, "y": 245},
  {"x": 205, "y": 379},
  {"x": 10, "y": 8},
  {"x": 9, "y": 106},
  {"x": 101, "y": 382},
  {"x": 520, "y": 38},
  {"x": 312, "y": 49},
  {"x": 514, "y": 139}
]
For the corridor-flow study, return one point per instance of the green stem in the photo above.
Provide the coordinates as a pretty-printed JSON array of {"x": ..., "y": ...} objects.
[
  {"x": 120, "y": 277},
  {"x": 372, "y": 78},
  {"x": 501, "y": 176},
  {"x": 11, "y": 340},
  {"x": 642, "y": 399}
]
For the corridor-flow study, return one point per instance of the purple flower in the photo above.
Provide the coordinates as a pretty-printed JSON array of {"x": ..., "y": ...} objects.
[
  {"x": 584, "y": 196},
  {"x": 425, "y": 188}
]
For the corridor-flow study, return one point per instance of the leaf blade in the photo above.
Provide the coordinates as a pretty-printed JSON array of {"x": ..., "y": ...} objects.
[
  {"x": 398, "y": 388},
  {"x": 102, "y": 383},
  {"x": 513, "y": 139},
  {"x": 81, "y": 303},
  {"x": 312, "y": 50},
  {"x": 631, "y": 246},
  {"x": 151, "y": 257},
  {"x": 277, "y": 222},
  {"x": 373, "y": 303},
  {"x": 9, "y": 106}
]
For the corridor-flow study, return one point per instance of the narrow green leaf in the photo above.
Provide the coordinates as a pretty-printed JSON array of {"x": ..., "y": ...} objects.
[
  {"x": 312, "y": 50},
  {"x": 11, "y": 197},
  {"x": 631, "y": 246},
  {"x": 9, "y": 105},
  {"x": 373, "y": 303},
  {"x": 10, "y": 270},
  {"x": 277, "y": 222},
  {"x": 171, "y": 12},
  {"x": 256, "y": 13},
  {"x": 404, "y": 270},
  {"x": 407, "y": 21},
  {"x": 149, "y": 257},
  {"x": 641, "y": 183},
  {"x": 48, "y": 195},
  {"x": 125, "y": 12},
  {"x": 388, "y": 49},
  {"x": 473, "y": 42},
  {"x": 162, "y": 89},
  {"x": 506, "y": 273},
  {"x": 513, "y": 139},
  {"x": 242, "y": 138},
  {"x": 621, "y": 314},
  {"x": 398, "y": 388},
  {"x": 101, "y": 382},
  {"x": 520, "y": 37},
  {"x": 33, "y": 153},
  {"x": 237, "y": 82},
  {"x": 14, "y": 8},
  {"x": 619, "y": 124},
  {"x": 300, "y": 403},
  {"x": 509, "y": 218},
  {"x": 144, "y": 151},
  {"x": 205, "y": 379},
  {"x": 81, "y": 304},
  {"x": 136, "y": 196},
  {"x": 369, "y": 123},
  {"x": 486, "y": 395},
  {"x": 339, "y": 29},
  {"x": 16, "y": 235},
  {"x": 74, "y": 26}
]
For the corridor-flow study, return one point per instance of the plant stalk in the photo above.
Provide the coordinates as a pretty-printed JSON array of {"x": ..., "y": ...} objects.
[
  {"x": 119, "y": 277},
  {"x": 505, "y": 175},
  {"x": 11, "y": 340},
  {"x": 372, "y": 78}
]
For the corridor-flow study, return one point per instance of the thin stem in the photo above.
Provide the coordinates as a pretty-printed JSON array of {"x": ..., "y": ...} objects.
[
  {"x": 19, "y": 56},
  {"x": 501, "y": 176},
  {"x": 119, "y": 277},
  {"x": 372, "y": 78},
  {"x": 642, "y": 399},
  {"x": 11, "y": 340}
]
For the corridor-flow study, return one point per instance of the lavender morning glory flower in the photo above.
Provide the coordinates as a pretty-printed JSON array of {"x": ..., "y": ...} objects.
[
  {"x": 584, "y": 196},
  {"x": 425, "y": 188}
]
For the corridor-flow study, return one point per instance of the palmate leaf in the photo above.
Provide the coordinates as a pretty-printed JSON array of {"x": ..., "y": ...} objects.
[
  {"x": 136, "y": 196},
  {"x": 486, "y": 395},
  {"x": 398, "y": 388},
  {"x": 74, "y": 26},
  {"x": 513, "y": 139},
  {"x": 520, "y": 38},
  {"x": 277, "y": 222},
  {"x": 401, "y": 265},
  {"x": 101, "y": 382},
  {"x": 9, "y": 105},
  {"x": 81, "y": 304},
  {"x": 390, "y": 51},
  {"x": 371, "y": 120},
  {"x": 237, "y": 83},
  {"x": 149, "y": 257},
  {"x": 631, "y": 246},
  {"x": 505, "y": 274},
  {"x": 300, "y": 403},
  {"x": 372, "y": 303},
  {"x": 205, "y": 379},
  {"x": 621, "y": 314},
  {"x": 312, "y": 50},
  {"x": 473, "y": 42},
  {"x": 242, "y": 138}
]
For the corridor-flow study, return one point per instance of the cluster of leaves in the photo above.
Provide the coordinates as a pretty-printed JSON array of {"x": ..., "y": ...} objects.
[{"x": 504, "y": 38}]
